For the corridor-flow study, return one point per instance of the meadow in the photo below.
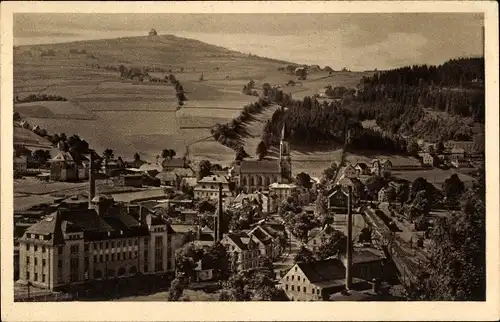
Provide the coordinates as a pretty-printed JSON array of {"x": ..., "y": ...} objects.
[{"x": 127, "y": 117}]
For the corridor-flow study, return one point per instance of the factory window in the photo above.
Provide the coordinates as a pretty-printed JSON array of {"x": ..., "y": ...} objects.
[
  {"x": 286, "y": 287},
  {"x": 100, "y": 258},
  {"x": 95, "y": 258},
  {"x": 44, "y": 249},
  {"x": 287, "y": 277},
  {"x": 293, "y": 289},
  {"x": 27, "y": 260},
  {"x": 298, "y": 278},
  {"x": 113, "y": 256},
  {"x": 74, "y": 249},
  {"x": 43, "y": 278},
  {"x": 112, "y": 244},
  {"x": 130, "y": 242},
  {"x": 36, "y": 277},
  {"x": 28, "y": 275},
  {"x": 36, "y": 261},
  {"x": 44, "y": 262},
  {"x": 293, "y": 277},
  {"x": 86, "y": 247},
  {"x": 135, "y": 242},
  {"x": 36, "y": 248}
]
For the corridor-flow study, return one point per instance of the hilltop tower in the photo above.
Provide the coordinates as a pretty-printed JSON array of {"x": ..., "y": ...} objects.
[{"x": 285, "y": 158}]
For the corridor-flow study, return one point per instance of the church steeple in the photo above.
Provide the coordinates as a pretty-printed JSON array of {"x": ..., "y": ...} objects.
[{"x": 285, "y": 158}]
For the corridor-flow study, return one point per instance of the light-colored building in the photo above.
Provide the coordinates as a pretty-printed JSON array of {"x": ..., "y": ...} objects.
[
  {"x": 428, "y": 159},
  {"x": 314, "y": 281},
  {"x": 80, "y": 244},
  {"x": 243, "y": 251},
  {"x": 318, "y": 236},
  {"x": 208, "y": 187},
  {"x": 280, "y": 192},
  {"x": 468, "y": 146},
  {"x": 317, "y": 280}
]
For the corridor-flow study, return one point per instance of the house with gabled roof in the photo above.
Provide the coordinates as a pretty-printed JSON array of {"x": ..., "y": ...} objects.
[
  {"x": 265, "y": 241},
  {"x": 243, "y": 250},
  {"x": 314, "y": 281},
  {"x": 318, "y": 236},
  {"x": 68, "y": 166}
]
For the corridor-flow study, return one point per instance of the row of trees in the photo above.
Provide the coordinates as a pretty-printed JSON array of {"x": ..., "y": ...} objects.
[{"x": 39, "y": 98}]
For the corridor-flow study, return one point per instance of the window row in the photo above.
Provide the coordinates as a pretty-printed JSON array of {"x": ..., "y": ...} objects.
[
  {"x": 304, "y": 289},
  {"x": 35, "y": 260},
  {"x": 35, "y": 248},
  {"x": 115, "y": 257},
  {"x": 36, "y": 277}
]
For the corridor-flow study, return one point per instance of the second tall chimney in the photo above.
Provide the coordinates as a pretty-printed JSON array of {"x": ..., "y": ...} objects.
[
  {"x": 91, "y": 178},
  {"x": 348, "y": 269}
]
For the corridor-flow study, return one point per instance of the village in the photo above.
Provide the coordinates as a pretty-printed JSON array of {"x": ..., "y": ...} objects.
[
  {"x": 238, "y": 178},
  {"x": 161, "y": 222}
]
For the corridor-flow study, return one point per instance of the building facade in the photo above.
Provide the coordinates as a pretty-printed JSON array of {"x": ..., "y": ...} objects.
[
  {"x": 78, "y": 245},
  {"x": 208, "y": 187},
  {"x": 256, "y": 175},
  {"x": 243, "y": 251}
]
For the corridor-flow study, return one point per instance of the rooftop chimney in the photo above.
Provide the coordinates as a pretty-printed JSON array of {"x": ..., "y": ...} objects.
[
  {"x": 348, "y": 273},
  {"x": 91, "y": 179}
]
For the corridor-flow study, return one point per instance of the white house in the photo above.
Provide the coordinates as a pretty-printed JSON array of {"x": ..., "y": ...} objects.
[{"x": 208, "y": 187}]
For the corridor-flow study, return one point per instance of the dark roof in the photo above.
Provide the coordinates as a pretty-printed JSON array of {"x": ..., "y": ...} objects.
[
  {"x": 362, "y": 165},
  {"x": 261, "y": 235},
  {"x": 324, "y": 270},
  {"x": 237, "y": 239},
  {"x": 263, "y": 166},
  {"x": 116, "y": 221},
  {"x": 365, "y": 255},
  {"x": 174, "y": 163}
]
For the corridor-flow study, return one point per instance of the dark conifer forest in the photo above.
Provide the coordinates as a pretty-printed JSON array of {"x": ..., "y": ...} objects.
[{"x": 435, "y": 103}]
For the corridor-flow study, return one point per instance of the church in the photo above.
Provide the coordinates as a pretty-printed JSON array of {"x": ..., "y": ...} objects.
[{"x": 254, "y": 175}]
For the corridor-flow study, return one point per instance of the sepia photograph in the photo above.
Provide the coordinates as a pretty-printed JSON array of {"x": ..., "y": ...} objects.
[{"x": 248, "y": 157}]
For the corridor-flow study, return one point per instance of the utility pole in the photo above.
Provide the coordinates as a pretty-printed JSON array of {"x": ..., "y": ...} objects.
[{"x": 349, "y": 239}]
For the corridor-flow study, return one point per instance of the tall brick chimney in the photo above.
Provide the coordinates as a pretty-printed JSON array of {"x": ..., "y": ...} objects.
[
  {"x": 91, "y": 178},
  {"x": 218, "y": 216},
  {"x": 348, "y": 269}
]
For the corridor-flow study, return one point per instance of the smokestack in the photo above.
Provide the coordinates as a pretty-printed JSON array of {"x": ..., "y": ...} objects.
[
  {"x": 348, "y": 273},
  {"x": 218, "y": 215},
  {"x": 91, "y": 179}
]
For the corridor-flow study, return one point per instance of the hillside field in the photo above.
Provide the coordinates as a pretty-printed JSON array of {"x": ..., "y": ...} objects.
[{"x": 131, "y": 117}]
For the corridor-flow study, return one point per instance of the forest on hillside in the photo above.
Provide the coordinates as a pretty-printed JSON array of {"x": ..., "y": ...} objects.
[
  {"x": 435, "y": 103},
  {"x": 456, "y": 87}
]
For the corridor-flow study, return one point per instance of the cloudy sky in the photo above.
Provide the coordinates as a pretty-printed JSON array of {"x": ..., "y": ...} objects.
[{"x": 357, "y": 41}]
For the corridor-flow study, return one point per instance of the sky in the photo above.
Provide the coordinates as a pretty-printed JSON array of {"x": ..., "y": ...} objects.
[{"x": 357, "y": 41}]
